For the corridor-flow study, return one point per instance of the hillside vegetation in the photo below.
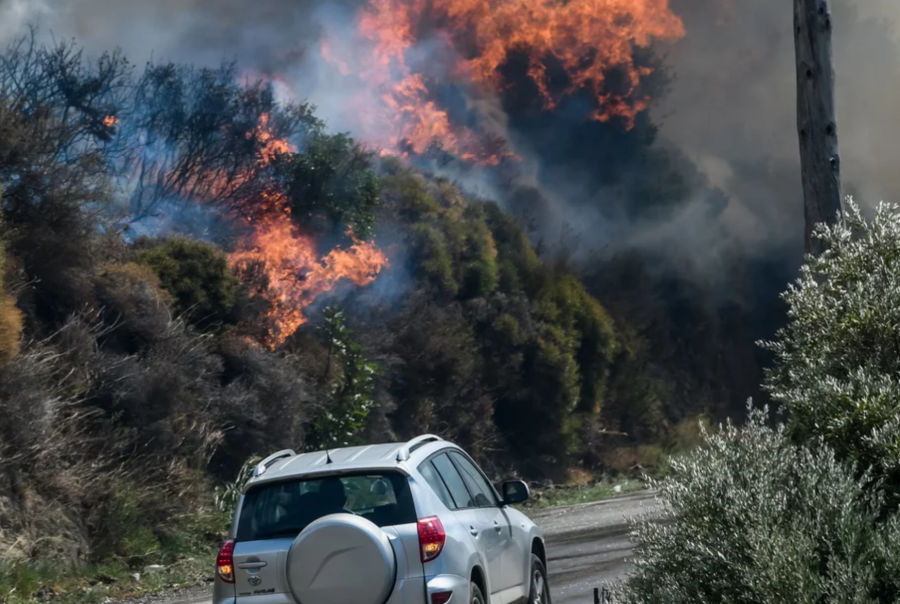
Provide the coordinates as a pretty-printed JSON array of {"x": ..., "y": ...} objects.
[{"x": 137, "y": 364}]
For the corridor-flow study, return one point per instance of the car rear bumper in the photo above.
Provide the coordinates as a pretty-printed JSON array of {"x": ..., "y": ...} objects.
[
  {"x": 407, "y": 591},
  {"x": 458, "y": 586}
]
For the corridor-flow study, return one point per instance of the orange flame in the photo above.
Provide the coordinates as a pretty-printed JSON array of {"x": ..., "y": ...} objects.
[
  {"x": 296, "y": 274},
  {"x": 110, "y": 120},
  {"x": 584, "y": 39}
]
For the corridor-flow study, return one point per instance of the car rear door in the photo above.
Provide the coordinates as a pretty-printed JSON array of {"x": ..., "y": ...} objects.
[
  {"x": 273, "y": 514},
  {"x": 468, "y": 511},
  {"x": 507, "y": 574}
]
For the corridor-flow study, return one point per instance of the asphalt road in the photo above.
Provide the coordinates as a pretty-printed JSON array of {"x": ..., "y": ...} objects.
[{"x": 587, "y": 546}]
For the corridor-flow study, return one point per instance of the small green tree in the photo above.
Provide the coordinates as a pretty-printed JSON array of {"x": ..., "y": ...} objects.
[
  {"x": 331, "y": 184},
  {"x": 351, "y": 387},
  {"x": 837, "y": 362},
  {"x": 198, "y": 277}
]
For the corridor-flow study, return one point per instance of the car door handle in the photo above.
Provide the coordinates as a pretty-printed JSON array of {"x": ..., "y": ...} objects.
[
  {"x": 497, "y": 526},
  {"x": 473, "y": 531},
  {"x": 259, "y": 564}
]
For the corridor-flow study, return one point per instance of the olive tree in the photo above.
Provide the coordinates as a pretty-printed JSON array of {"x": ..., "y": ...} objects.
[
  {"x": 837, "y": 361},
  {"x": 752, "y": 517}
]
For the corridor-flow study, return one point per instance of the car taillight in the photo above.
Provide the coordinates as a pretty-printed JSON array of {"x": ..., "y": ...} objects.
[
  {"x": 225, "y": 562},
  {"x": 431, "y": 537}
]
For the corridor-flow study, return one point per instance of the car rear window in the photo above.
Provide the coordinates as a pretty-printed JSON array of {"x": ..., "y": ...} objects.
[{"x": 281, "y": 509}]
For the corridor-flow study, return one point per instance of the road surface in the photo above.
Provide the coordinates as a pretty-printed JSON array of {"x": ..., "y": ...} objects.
[{"x": 587, "y": 546}]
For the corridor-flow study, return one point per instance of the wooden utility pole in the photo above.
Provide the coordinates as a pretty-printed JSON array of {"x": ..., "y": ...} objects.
[{"x": 816, "y": 123}]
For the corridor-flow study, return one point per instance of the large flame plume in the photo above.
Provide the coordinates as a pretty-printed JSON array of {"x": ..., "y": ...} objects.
[
  {"x": 296, "y": 274},
  {"x": 408, "y": 49}
]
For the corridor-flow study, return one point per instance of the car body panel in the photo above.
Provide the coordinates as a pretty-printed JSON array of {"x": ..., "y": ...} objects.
[{"x": 495, "y": 541}]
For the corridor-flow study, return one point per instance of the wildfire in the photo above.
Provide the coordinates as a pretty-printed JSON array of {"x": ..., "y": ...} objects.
[
  {"x": 568, "y": 46},
  {"x": 296, "y": 273},
  {"x": 110, "y": 120},
  {"x": 586, "y": 38}
]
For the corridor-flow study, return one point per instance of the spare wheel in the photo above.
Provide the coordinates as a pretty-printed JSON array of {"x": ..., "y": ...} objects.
[{"x": 339, "y": 559}]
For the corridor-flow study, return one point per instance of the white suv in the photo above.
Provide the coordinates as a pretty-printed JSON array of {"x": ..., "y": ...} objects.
[{"x": 402, "y": 523}]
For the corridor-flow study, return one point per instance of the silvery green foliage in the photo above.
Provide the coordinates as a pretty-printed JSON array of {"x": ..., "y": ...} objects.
[
  {"x": 751, "y": 517},
  {"x": 227, "y": 496},
  {"x": 837, "y": 362}
]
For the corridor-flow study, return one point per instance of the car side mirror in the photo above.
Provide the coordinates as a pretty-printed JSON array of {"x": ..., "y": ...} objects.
[{"x": 514, "y": 491}]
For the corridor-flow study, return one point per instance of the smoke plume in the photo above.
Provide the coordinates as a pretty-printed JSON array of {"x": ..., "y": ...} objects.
[{"x": 693, "y": 157}]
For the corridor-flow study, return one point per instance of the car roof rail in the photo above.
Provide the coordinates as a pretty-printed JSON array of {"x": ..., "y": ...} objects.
[
  {"x": 262, "y": 466},
  {"x": 415, "y": 443}
]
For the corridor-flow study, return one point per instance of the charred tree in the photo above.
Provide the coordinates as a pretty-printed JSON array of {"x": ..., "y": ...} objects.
[{"x": 816, "y": 123}]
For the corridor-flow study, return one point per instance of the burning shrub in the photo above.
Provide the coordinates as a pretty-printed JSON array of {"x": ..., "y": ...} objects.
[{"x": 53, "y": 141}]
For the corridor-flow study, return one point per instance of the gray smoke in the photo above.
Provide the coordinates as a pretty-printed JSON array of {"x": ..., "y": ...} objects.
[
  {"x": 264, "y": 34},
  {"x": 730, "y": 108}
]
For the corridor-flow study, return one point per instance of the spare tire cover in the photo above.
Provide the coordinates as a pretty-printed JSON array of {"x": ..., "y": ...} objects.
[{"x": 341, "y": 559}]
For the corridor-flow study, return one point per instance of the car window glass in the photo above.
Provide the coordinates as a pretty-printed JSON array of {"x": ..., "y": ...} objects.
[
  {"x": 285, "y": 508},
  {"x": 482, "y": 493},
  {"x": 454, "y": 481},
  {"x": 431, "y": 477}
]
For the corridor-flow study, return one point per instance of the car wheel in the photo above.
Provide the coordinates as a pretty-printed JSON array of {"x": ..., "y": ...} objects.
[
  {"x": 540, "y": 589},
  {"x": 476, "y": 596}
]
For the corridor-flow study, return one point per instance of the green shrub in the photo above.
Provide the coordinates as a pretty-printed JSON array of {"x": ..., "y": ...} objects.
[
  {"x": 331, "y": 184},
  {"x": 837, "y": 362},
  {"x": 436, "y": 264},
  {"x": 198, "y": 277},
  {"x": 751, "y": 517},
  {"x": 480, "y": 272}
]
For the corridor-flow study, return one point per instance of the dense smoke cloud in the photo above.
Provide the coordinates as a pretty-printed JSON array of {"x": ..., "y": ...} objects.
[{"x": 726, "y": 121}]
